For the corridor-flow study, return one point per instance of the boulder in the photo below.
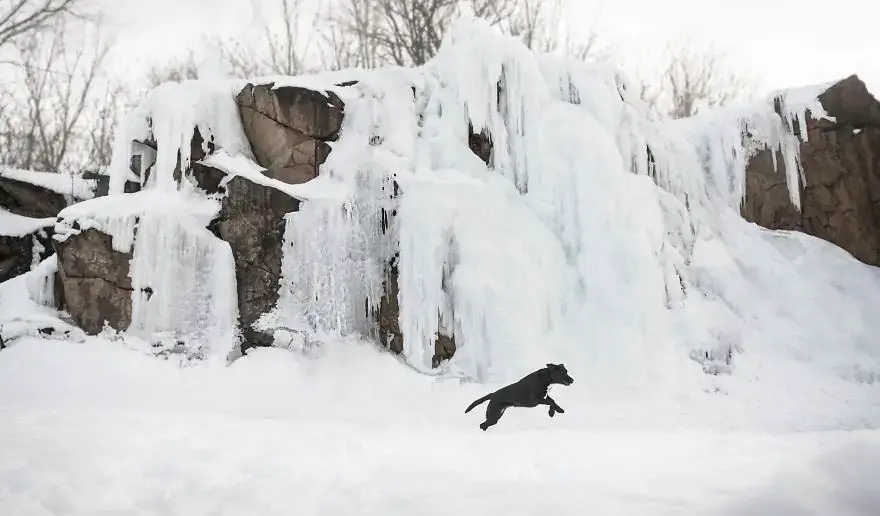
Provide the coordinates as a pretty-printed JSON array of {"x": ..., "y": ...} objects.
[
  {"x": 840, "y": 200},
  {"x": 18, "y": 254},
  {"x": 252, "y": 221},
  {"x": 29, "y": 200},
  {"x": 94, "y": 285},
  {"x": 24, "y": 204},
  {"x": 289, "y": 127}
]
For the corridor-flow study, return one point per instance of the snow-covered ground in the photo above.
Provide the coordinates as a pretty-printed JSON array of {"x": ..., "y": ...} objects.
[
  {"x": 94, "y": 428},
  {"x": 93, "y": 425}
]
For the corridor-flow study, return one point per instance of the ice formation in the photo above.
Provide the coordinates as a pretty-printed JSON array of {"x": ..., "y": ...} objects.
[
  {"x": 182, "y": 276},
  {"x": 597, "y": 231}
]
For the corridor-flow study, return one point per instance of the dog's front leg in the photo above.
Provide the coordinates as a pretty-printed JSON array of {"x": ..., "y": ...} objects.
[{"x": 554, "y": 407}]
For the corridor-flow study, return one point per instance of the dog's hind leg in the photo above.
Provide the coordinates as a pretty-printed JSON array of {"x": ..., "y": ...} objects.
[{"x": 493, "y": 413}]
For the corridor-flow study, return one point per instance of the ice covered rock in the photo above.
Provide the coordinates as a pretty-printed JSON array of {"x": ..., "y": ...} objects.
[{"x": 840, "y": 193}]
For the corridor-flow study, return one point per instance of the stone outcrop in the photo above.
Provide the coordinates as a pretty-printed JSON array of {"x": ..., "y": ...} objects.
[
  {"x": 251, "y": 220},
  {"x": 17, "y": 252},
  {"x": 289, "y": 127},
  {"x": 840, "y": 201},
  {"x": 93, "y": 281},
  {"x": 29, "y": 200}
]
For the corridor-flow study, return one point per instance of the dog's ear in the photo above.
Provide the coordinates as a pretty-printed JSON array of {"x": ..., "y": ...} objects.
[{"x": 551, "y": 366}]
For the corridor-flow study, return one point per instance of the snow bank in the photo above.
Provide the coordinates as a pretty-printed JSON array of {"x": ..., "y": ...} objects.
[
  {"x": 597, "y": 233},
  {"x": 63, "y": 183}
]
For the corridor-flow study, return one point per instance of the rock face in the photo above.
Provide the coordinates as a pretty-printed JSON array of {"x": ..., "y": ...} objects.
[
  {"x": 251, "y": 220},
  {"x": 94, "y": 282},
  {"x": 841, "y": 160},
  {"x": 17, "y": 253},
  {"x": 29, "y": 200},
  {"x": 289, "y": 127}
]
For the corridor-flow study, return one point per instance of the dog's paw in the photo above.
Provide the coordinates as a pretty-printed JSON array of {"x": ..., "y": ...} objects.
[
  {"x": 551, "y": 412},
  {"x": 483, "y": 427},
  {"x": 559, "y": 409}
]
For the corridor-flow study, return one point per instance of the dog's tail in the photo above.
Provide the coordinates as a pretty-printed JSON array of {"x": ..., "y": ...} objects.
[{"x": 481, "y": 400}]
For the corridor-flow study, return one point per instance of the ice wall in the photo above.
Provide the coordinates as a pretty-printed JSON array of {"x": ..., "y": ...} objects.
[{"x": 598, "y": 232}]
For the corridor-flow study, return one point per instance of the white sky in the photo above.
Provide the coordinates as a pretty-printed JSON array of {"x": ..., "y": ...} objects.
[{"x": 781, "y": 43}]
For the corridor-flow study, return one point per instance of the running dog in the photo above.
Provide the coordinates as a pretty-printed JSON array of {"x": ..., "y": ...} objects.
[{"x": 530, "y": 391}]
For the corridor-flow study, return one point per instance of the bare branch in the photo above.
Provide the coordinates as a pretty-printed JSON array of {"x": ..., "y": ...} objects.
[
  {"x": 20, "y": 17},
  {"x": 694, "y": 78},
  {"x": 57, "y": 90}
]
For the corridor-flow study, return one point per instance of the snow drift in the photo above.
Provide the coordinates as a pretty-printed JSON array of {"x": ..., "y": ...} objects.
[{"x": 598, "y": 233}]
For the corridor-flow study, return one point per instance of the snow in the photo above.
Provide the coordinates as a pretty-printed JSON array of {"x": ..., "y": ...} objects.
[
  {"x": 243, "y": 166},
  {"x": 14, "y": 225},
  {"x": 93, "y": 427},
  {"x": 63, "y": 183}
]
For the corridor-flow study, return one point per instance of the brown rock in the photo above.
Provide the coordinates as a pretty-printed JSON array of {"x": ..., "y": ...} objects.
[
  {"x": 251, "y": 220},
  {"x": 94, "y": 282},
  {"x": 444, "y": 348},
  {"x": 841, "y": 197},
  {"x": 388, "y": 321},
  {"x": 17, "y": 253},
  {"x": 288, "y": 126},
  {"x": 29, "y": 200},
  {"x": 480, "y": 144},
  {"x": 22, "y": 198}
]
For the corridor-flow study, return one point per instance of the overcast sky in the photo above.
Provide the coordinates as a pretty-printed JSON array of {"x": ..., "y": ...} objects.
[{"x": 782, "y": 43}]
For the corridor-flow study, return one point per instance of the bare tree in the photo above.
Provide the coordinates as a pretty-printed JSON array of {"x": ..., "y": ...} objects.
[
  {"x": 369, "y": 33},
  {"x": 279, "y": 49},
  {"x": 177, "y": 71},
  {"x": 57, "y": 89},
  {"x": 693, "y": 78},
  {"x": 25, "y": 17}
]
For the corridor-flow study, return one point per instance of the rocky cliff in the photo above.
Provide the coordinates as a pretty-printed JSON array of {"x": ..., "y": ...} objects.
[{"x": 840, "y": 193}]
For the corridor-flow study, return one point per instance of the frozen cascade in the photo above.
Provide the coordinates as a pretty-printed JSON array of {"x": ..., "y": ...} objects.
[
  {"x": 599, "y": 231},
  {"x": 594, "y": 216},
  {"x": 190, "y": 293}
]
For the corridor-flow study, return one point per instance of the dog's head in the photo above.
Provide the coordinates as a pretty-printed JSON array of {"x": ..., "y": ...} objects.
[{"x": 559, "y": 374}]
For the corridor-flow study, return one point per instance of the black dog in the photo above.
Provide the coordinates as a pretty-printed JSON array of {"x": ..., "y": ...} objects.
[{"x": 530, "y": 391}]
